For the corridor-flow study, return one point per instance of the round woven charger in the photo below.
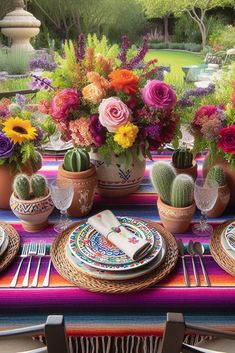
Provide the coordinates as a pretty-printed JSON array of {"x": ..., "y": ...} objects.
[
  {"x": 217, "y": 251},
  {"x": 73, "y": 275},
  {"x": 13, "y": 246}
]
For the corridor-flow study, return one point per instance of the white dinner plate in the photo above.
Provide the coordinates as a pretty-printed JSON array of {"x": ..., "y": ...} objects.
[{"x": 228, "y": 246}]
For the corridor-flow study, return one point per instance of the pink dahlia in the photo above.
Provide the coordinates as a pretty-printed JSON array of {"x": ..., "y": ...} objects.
[{"x": 64, "y": 102}]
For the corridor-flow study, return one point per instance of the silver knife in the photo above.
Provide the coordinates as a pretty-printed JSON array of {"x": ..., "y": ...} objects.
[{"x": 181, "y": 251}]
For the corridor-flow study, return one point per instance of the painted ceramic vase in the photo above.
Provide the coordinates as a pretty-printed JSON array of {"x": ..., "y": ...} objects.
[{"x": 116, "y": 179}]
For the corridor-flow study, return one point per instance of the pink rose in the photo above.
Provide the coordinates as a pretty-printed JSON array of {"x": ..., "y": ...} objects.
[
  {"x": 227, "y": 139},
  {"x": 113, "y": 113},
  {"x": 157, "y": 94},
  {"x": 64, "y": 102}
]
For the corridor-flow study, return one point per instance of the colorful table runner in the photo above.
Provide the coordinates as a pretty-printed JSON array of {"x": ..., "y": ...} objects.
[{"x": 137, "y": 314}]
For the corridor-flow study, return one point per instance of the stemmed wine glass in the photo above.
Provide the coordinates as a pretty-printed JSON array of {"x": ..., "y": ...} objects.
[
  {"x": 62, "y": 192},
  {"x": 56, "y": 141},
  {"x": 205, "y": 195}
]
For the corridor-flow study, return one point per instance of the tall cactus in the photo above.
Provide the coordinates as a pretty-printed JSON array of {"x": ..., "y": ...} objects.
[
  {"x": 182, "y": 158},
  {"x": 76, "y": 160},
  {"x": 162, "y": 176},
  {"x": 182, "y": 191},
  {"x": 38, "y": 185},
  {"x": 21, "y": 187},
  {"x": 217, "y": 173}
]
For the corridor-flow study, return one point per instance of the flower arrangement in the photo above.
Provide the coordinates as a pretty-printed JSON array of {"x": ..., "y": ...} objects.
[
  {"x": 114, "y": 101},
  {"x": 214, "y": 128},
  {"x": 20, "y": 134}
]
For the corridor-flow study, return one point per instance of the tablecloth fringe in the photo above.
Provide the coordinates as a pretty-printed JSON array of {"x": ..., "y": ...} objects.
[{"x": 108, "y": 344}]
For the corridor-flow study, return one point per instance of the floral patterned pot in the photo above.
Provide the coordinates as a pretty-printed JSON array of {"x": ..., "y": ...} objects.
[
  {"x": 84, "y": 189},
  {"x": 221, "y": 202},
  {"x": 189, "y": 171},
  {"x": 116, "y": 180},
  {"x": 33, "y": 213},
  {"x": 175, "y": 219},
  {"x": 7, "y": 177}
]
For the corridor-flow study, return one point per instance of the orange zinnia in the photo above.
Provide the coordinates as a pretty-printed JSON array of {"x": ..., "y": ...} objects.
[{"x": 125, "y": 80}]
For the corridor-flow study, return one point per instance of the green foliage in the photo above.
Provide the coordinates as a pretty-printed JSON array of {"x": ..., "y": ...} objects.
[
  {"x": 38, "y": 185},
  {"x": 14, "y": 62},
  {"x": 110, "y": 145},
  {"x": 177, "y": 46},
  {"x": 76, "y": 160},
  {"x": 102, "y": 46},
  {"x": 217, "y": 173},
  {"x": 36, "y": 161},
  {"x": 21, "y": 187},
  {"x": 224, "y": 38},
  {"x": 182, "y": 191},
  {"x": 186, "y": 30},
  {"x": 162, "y": 176},
  {"x": 182, "y": 158},
  {"x": 27, "y": 151}
]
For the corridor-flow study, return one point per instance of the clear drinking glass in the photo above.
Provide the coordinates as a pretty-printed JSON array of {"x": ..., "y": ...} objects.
[
  {"x": 56, "y": 141},
  {"x": 62, "y": 192},
  {"x": 205, "y": 195}
]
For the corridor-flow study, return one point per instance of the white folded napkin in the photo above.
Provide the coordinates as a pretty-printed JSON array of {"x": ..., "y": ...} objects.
[{"x": 109, "y": 226}]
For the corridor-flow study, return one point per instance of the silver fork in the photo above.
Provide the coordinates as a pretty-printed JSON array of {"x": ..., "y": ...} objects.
[
  {"x": 47, "y": 277},
  {"x": 33, "y": 247},
  {"x": 24, "y": 254},
  {"x": 41, "y": 253}
]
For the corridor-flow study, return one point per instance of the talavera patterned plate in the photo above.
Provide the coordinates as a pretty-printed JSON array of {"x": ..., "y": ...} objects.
[
  {"x": 98, "y": 248},
  {"x": 116, "y": 276},
  {"x": 92, "y": 248}
]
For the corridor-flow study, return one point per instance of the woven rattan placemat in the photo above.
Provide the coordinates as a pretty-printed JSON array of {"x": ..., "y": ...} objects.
[
  {"x": 13, "y": 246},
  {"x": 217, "y": 251},
  {"x": 73, "y": 275}
]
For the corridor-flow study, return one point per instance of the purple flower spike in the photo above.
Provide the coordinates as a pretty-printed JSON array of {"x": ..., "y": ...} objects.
[
  {"x": 137, "y": 60},
  {"x": 125, "y": 45},
  {"x": 80, "y": 49}
]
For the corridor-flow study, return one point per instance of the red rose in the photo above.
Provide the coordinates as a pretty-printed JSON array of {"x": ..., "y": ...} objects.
[{"x": 227, "y": 139}]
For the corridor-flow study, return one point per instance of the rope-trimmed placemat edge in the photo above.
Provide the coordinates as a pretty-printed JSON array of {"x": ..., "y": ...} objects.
[
  {"x": 218, "y": 252},
  {"x": 71, "y": 273},
  {"x": 12, "y": 248}
]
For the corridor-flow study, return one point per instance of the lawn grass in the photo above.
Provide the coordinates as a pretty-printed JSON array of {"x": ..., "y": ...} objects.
[{"x": 175, "y": 59}]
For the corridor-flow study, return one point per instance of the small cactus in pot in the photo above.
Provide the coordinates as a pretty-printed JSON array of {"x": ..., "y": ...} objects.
[
  {"x": 217, "y": 174},
  {"x": 77, "y": 168},
  {"x": 31, "y": 201},
  {"x": 175, "y": 210},
  {"x": 183, "y": 162}
]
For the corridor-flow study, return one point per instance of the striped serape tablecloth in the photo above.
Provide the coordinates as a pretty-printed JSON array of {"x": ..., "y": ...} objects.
[{"x": 118, "y": 320}]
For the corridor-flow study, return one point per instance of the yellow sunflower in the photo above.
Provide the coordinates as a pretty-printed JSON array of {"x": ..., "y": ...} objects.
[{"x": 19, "y": 130}]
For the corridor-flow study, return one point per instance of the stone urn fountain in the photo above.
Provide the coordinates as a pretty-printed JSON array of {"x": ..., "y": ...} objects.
[{"x": 20, "y": 26}]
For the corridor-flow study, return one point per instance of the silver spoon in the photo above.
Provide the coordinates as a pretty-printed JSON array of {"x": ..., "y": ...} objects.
[
  {"x": 192, "y": 253},
  {"x": 199, "y": 250}
]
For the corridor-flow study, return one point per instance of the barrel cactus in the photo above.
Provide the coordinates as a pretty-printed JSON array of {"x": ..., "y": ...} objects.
[
  {"x": 21, "y": 187},
  {"x": 182, "y": 158},
  {"x": 182, "y": 191},
  {"x": 76, "y": 160},
  {"x": 38, "y": 185},
  {"x": 162, "y": 176},
  {"x": 217, "y": 173}
]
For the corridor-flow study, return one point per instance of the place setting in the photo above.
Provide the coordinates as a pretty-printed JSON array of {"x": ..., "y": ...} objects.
[
  {"x": 222, "y": 246},
  {"x": 114, "y": 254},
  {"x": 9, "y": 245}
]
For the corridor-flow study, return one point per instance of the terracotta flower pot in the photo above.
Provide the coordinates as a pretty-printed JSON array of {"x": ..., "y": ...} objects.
[
  {"x": 190, "y": 171},
  {"x": 33, "y": 213},
  {"x": 221, "y": 203},
  {"x": 116, "y": 180},
  {"x": 7, "y": 177},
  {"x": 229, "y": 172},
  {"x": 84, "y": 189},
  {"x": 176, "y": 220}
]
